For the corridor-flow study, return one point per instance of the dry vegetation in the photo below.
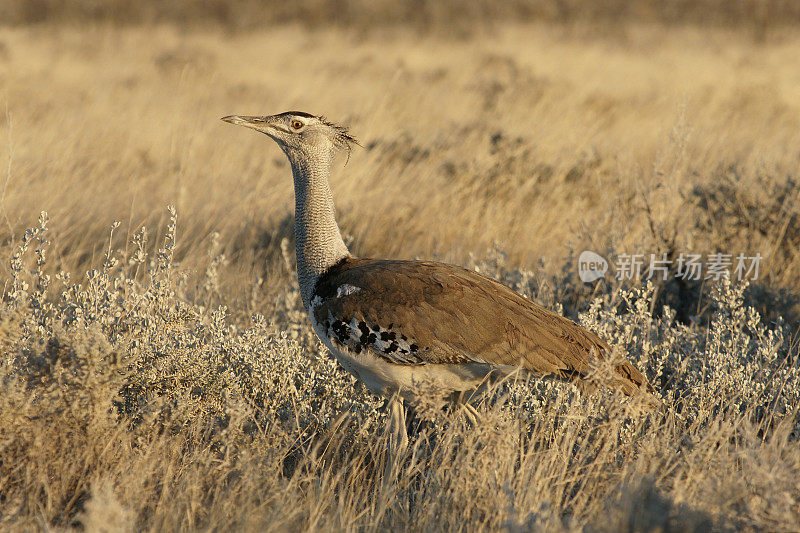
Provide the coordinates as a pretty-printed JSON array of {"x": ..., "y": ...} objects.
[{"x": 166, "y": 378}]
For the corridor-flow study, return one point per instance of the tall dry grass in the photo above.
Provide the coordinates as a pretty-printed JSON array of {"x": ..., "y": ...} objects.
[
  {"x": 177, "y": 384},
  {"x": 127, "y": 405}
]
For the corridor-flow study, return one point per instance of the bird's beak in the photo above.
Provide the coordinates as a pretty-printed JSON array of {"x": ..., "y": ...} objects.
[
  {"x": 267, "y": 124},
  {"x": 257, "y": 123}
]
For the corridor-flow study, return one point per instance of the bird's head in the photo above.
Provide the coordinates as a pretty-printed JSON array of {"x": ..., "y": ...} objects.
[{"x": 297, "y": 132}]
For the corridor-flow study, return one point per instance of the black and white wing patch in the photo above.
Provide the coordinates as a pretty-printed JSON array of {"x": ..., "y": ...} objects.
[{"x": 385, "y": 342}]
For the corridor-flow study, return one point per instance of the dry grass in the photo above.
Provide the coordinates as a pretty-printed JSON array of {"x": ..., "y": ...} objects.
[
  {"x": 543, "y": 141},
  {"x": 133, "y": 400}
]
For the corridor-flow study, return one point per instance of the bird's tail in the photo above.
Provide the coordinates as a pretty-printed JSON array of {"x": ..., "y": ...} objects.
[
  {"x": 617, "y": 372},
  {"x": 633, "y": 381}
]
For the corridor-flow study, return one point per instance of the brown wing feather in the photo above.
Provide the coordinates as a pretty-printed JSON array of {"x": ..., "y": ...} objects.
[{"x": 454, "y": 315}]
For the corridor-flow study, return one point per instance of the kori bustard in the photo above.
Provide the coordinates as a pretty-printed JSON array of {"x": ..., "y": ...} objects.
[{"x": 413, "y": 328}]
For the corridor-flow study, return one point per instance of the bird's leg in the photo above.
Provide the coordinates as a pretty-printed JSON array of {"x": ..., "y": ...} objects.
[{"x": 398, "y": 437}]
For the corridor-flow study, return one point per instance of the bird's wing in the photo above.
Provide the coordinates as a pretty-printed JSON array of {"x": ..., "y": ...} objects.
[{"x": 413, "y": 312}]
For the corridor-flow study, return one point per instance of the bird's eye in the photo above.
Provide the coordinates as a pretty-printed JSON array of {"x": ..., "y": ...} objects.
[{"x": 296, "y": 124}]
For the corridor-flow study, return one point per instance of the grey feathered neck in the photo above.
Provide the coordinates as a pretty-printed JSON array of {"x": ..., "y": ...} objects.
[{"x": 318, "y": 241}]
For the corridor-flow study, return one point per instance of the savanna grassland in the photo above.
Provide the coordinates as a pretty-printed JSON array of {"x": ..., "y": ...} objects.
[{"x": 157, "y": 371}]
